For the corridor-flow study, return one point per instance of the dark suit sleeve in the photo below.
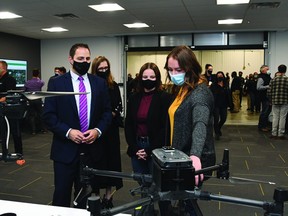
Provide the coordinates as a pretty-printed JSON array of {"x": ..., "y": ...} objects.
[{"x": 52, "y": 112}]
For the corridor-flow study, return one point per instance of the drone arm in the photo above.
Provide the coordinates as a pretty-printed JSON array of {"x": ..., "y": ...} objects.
[
  {"x": 222, "y": 168},
  {"x": 135, "y": 176},
  {"x": 142, "y": 202},
  {"x": 275, "y": 208}
]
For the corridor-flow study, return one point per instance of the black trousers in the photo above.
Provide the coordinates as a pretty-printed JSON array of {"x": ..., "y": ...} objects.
[{"x": 15, "y": 131}]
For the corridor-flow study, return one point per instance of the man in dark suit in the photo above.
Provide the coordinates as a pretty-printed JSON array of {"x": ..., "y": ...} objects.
[{"x": 62, "y": 117}]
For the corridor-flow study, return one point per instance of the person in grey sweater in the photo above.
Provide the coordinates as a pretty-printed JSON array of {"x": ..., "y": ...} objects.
[{"x": 191, "y": 113}]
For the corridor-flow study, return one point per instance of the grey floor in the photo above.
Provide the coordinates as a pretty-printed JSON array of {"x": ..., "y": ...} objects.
[{"x": 252, "y": 155}]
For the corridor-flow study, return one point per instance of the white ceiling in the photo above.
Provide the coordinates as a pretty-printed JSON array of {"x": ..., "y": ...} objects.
[{"x": 163, "y": 17}]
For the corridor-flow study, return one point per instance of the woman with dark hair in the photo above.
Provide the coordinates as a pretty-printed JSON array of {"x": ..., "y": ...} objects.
[
  {"x": 110, "y": 138},
  {"x": 191, "y": 113},
  {"x": 145, "y": 118},
  {"x": 221, "y": 101}
]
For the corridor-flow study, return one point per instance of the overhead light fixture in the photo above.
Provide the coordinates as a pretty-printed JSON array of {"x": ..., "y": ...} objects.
[
  {"x": 55, "y": 29},
  {"x": 224, "y": 2},
  {"x": 230, "y": 21},
  {"x": 8, "y": 15},
  {"x": 136, "y": 25},
  {"x": 106, "y": 7}
]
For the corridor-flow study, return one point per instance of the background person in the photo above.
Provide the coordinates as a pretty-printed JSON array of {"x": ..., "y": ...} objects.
[
  {"x": 191, "y": 113},
  {"x": 221, "y": 102},
  {"x": 236, "y": 88},
  {"x": 211, "y": 78},
  {"x": 8, "y": 82},
  {"x": 278, "y": 93},
  {"x": 110, "y": 138},
  {"x": 71, "y": 137},
  {"x": 262, "y": 86},
  {"x": 35, "y": 106}
]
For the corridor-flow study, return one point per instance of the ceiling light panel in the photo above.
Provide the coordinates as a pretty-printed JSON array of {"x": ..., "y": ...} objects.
[
  {"x": 230, "y": 21},
  {"x": 106, "y": 7},
  {"x": 8, "y": 15},
  {"x": 225, "y": 2},
  {"x": 55, "y": 29},
  {"x": 136, "y": 25}
]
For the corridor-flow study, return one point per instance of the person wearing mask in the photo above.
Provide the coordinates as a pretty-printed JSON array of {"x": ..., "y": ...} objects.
[
  {"x": 211, "y": 78},
  {"x": 278, "y": 92},
  {"x": 221, "y": 102},
  {"x": 35, "y": 106},
  {"x": 262, "y": 86},
  {"x": 191, "y": 113},
  {"x": 77, "y": 123},
  {"x": 146, "y": 120},
  {"x": 235, "y": 91},
  {"x": 7, "y": 83},
  {"x": 111, "y": 139}
]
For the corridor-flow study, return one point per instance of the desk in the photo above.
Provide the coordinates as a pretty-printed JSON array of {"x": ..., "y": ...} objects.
[{"x": 29, "y": 209}]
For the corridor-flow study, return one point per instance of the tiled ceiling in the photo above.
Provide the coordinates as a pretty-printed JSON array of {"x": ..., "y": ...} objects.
[{"x": 163, "y": 17}]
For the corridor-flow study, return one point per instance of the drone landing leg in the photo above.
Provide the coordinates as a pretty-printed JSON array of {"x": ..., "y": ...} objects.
[{"x": 196, "y": 207}]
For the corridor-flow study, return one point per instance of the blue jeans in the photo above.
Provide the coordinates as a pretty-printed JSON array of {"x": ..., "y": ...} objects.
[{"x": 140, "y": 165}]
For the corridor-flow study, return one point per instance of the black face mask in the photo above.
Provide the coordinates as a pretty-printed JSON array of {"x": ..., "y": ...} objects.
[
  {"x": 103, "y": 73},
  {"x": 149, "y": 84},
  {"x": 81, "y": 67},
  {"x": 219, "y": 79},
  {"x": 209, "y": 72}
]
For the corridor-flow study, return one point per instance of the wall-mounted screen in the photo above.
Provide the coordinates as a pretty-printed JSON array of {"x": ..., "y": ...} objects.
[{"x": 17, "y": 69}]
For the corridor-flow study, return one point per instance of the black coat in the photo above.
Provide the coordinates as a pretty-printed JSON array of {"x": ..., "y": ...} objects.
[
  {"x": 156, "y": 122},
  {"x": 111, "y": 141}
]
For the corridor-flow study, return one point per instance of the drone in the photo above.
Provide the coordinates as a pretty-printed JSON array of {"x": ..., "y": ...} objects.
[
  {"x": 15, "y": 107},
  {"x": 173, "y": 178}
]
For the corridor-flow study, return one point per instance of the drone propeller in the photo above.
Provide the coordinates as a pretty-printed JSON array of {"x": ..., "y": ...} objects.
[
  {"x": 39, "y": 94},
  {"x": 238, "y": 180},
  {"x": 42, "y": 94}
]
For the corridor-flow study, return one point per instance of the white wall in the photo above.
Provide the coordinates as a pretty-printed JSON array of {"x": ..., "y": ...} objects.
[
  {"x": 56, "y": 52},
  {"x": 277, "y": 52}
]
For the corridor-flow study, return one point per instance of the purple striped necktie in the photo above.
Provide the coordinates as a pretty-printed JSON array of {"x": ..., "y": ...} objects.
[{"x": 83, "y": 113}]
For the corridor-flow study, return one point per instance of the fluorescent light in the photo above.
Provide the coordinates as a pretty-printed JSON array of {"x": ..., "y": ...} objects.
[
  {"x": 136, "y": 25},
  {"x": 8, "y": 15},
  {"x": 106, "y": 7},
  {"x": 230, "y": 21},
  {"x": 55, "y": 29},
  {"x": 223, "y": 2}
]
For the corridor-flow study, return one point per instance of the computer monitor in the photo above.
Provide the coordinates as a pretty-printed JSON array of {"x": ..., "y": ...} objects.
[{"x": 17, "y": 69}]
